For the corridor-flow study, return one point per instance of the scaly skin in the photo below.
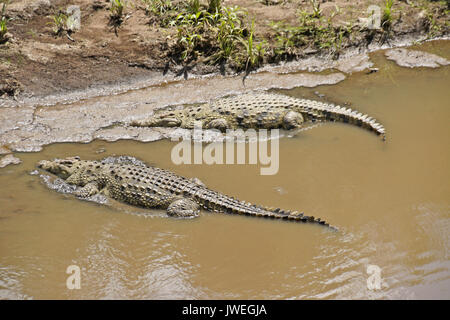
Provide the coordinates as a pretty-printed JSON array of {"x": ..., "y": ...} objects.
[
  {"x": 152, "y": 187},
  {"x": 258, "y": 111}
]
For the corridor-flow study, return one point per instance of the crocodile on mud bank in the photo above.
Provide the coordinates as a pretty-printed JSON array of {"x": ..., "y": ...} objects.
[
  {"x": 128, "y": 180},
  {"x": 258, "y": 111}
]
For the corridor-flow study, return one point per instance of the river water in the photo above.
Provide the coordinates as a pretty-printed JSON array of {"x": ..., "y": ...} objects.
[{"x": 390, "y": 201}]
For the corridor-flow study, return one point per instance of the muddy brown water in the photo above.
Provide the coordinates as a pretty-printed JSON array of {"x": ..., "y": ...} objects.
[{"x": 389, "y": 199}]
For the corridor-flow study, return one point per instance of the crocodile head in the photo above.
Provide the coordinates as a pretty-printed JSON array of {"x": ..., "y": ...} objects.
[
  {"x": 60, "y": 167},
  {"x": 165, "y": 120},
  {"x": 161, "y": 119}
]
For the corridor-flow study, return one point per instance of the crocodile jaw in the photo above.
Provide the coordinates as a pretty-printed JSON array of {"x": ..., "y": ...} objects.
[{"x": 60, "y": 167}]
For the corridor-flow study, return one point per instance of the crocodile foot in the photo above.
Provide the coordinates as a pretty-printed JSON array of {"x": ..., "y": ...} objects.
[{"x": 183, "y": 208}]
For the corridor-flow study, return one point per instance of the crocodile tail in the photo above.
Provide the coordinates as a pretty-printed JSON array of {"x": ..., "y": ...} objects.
[
  {"x": 333, "y": 112},
  {"x": 217, "y": 202},
  {"x": 296, "y": 216}
]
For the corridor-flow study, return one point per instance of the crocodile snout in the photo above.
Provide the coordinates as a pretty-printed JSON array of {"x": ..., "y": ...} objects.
[{"x": 44, "y": 164}]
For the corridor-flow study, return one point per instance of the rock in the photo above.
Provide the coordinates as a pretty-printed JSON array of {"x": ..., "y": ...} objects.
[
  {"x": 9, "y": 159},
  {"x": 414, "y": 58},
  {"x": 354, "y": 63}
]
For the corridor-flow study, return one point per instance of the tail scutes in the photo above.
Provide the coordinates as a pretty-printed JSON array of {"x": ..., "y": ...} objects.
[{"x": 297, "y": 217}]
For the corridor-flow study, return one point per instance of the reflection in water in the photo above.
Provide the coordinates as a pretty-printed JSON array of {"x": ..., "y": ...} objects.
[{"x": 390, "y": 201}]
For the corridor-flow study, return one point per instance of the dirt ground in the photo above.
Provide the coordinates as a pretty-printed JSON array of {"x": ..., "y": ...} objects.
[{"x": 35, "y": 62}]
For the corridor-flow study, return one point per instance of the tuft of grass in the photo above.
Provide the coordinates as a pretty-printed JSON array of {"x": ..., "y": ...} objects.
[
  {"x": 116, "y": 10},
  {"x": 387, "y": 19},
  {"x": 209, "y": 31},
  {"x": 228, "y": 29},
  {"x": 317, "y": 12},
  {"x": 214, "y": 6},
  {"x": 314, "y": 31},
  {"x": 158, "y": 7},
  {"x": 59, "y": 23},
  {"x": 3, "y": 24},
  {"x": 189, "y": 41},
  {"x": 116, "y": 13},
  {"x": 193, "y": 6},
  {"x": 254, "y": 52}
]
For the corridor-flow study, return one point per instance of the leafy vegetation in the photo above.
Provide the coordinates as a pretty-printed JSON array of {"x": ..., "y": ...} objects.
[
  {"x": 3, "y": 23},
  {"x": 158, "y": 7},
  {"x": 213, "y": 33},
  {"x": 116, "y": 11},
  {"x": 59, "y": 23},
  {"x": 386, "y": 20},
  {"x": 313, "y": 31},
  {"x": 254, "y": 52}
]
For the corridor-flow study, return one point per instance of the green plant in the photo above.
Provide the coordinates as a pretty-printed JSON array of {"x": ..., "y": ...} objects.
[
  {"x": 314, "y": 30},
  {"x": 317, "y": 12},
  {"x": 158, "y": 7},
  {"x": 3, "y": 22},
  {"x": 287, "y": 39},
  {"x": 220, "y": 30},
  {"x": 386, "y": 20},
  {"x": 117, "y": 9},
  {"x": 188, "y": 40},
  {"x": 254, "y": 52},
  {"x": 434, "y": 28},
  {"x": 214, "y": 6},
  {"x": 59, "y": 21},
  {"x": 193, "y": 6}
]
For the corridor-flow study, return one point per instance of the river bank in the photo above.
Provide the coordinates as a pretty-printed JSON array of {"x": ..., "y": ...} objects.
[{"x": 146, "y": 48}]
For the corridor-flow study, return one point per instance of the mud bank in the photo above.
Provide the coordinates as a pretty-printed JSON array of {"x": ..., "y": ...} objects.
[
  {"x": 27, "y": 128},
  {"x": 95, "y": 60}
]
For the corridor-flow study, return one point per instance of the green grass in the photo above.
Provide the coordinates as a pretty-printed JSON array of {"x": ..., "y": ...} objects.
[
  {"x": 211, "y": 32},
  {"x": 116, "y": 10},
  {"x": 387, "y": 19},
  {"x": 214, "y": 33},
  {"x": 313, "y": 31},
  {"x": 158, "y": 7},
  {"x": 3, "y": 23},
  {"x": 58, "y": 23},
  {"x": 317, "y": 13},
  {"x": 214, "y": 6},
  {"x": 254, "y": 52}
]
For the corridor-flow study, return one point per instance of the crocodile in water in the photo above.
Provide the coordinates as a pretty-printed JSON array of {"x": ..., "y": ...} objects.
[{"x": 136, "y": 183}]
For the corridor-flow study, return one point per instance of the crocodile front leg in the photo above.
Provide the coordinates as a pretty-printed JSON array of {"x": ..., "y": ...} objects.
[
  {"x": 219, "y": 124},
  {"x": 88, "y": 190},
  {"x": 292, "y": 120},
  {"x": 183, "y": 208}
]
